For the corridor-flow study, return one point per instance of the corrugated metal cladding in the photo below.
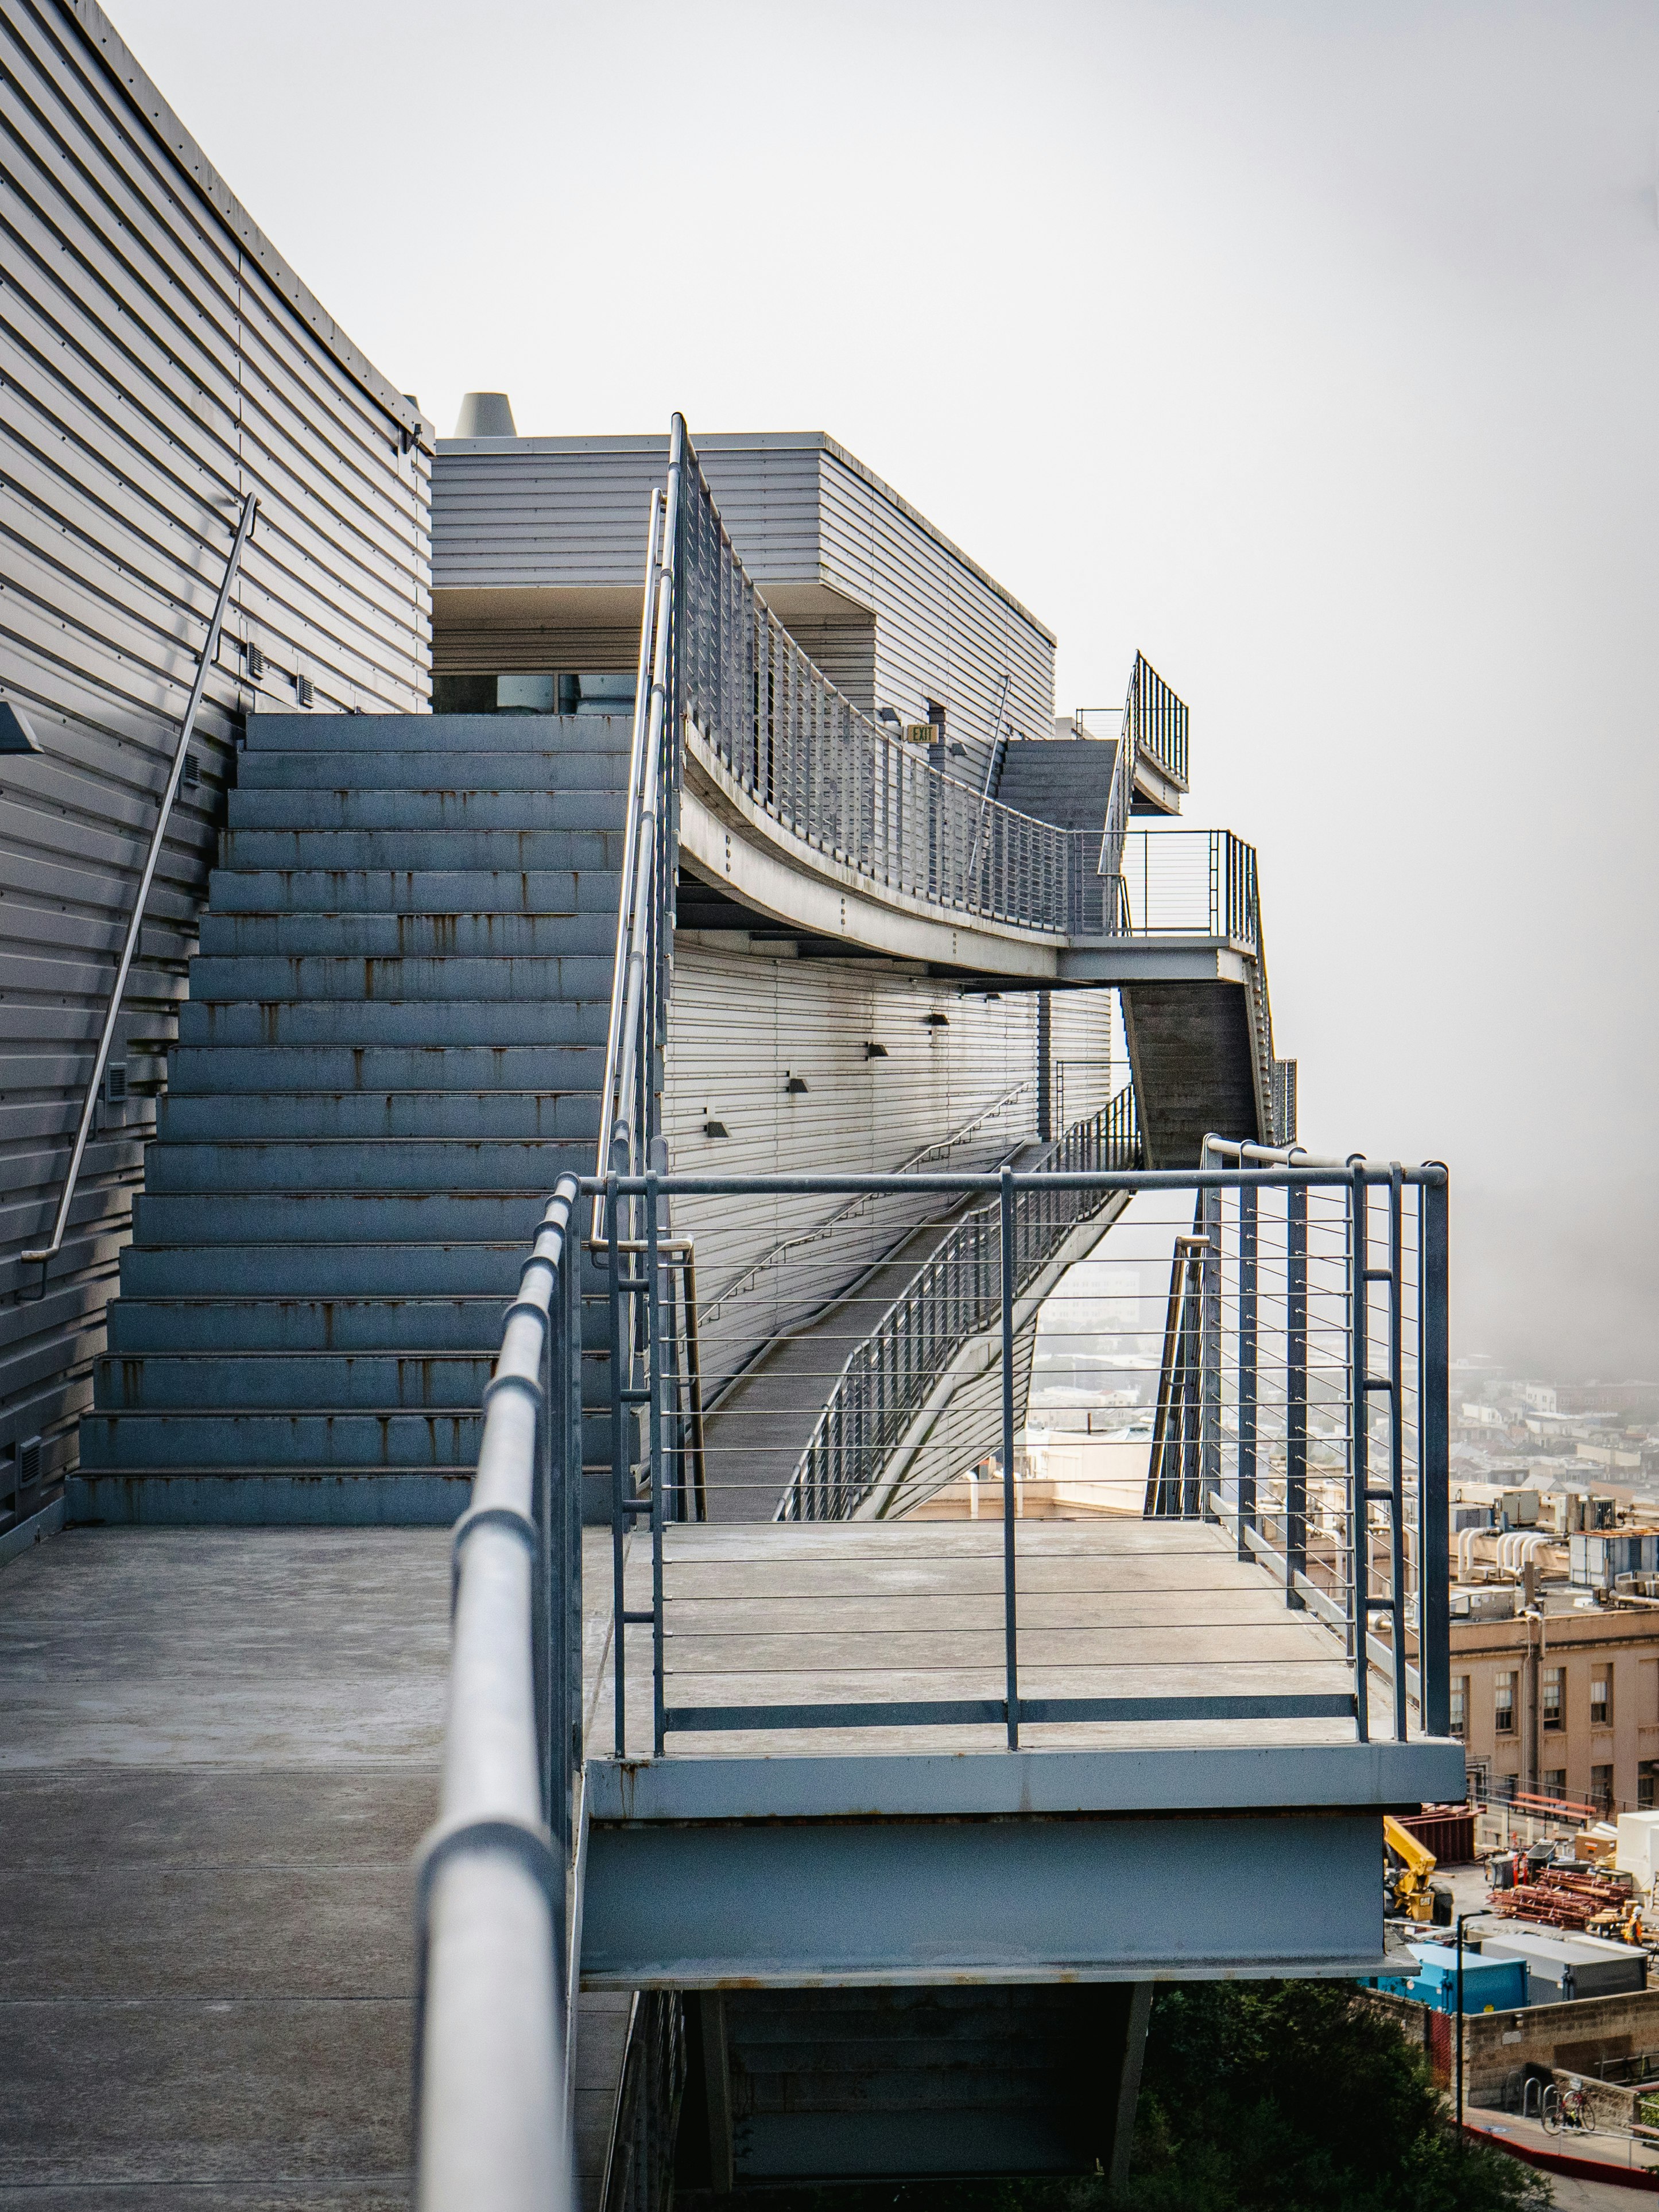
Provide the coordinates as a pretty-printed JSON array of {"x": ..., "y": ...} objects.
[
  {"x": 891, "y": 610},
  {"x": 745, "y": 1027},
  {"x": 158, "y": 360}
]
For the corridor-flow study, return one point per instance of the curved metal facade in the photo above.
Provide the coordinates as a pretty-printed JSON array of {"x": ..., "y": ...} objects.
[{"x": 160, "y": 360}]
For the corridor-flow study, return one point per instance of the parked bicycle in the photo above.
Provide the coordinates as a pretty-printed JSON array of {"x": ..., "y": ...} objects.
[{"x": 1567, "y": 2108}]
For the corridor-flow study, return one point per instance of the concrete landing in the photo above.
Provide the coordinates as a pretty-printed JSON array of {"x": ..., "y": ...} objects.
[
  {"x": 803, "y": 1614},
  {"x": 218, "y": 1749}
]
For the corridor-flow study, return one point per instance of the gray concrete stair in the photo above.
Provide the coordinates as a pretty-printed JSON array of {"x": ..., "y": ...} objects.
[
  {"x": 1189, "y": 1048},
  {"x": 392, "y": 1048}
]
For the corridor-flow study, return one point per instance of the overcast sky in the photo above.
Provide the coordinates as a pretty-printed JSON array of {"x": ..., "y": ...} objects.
[{"x": 1308, "y": 348}]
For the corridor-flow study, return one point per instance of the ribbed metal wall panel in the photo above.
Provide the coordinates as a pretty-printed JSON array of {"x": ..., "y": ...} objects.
[
  {"x": 741, "y": 1024},
  {"x": 813, "y": 527},
  {"x": 1086, "y": 1047},
  {"x": 158, "y": 360},
  {"x": 942, "y": 632}
]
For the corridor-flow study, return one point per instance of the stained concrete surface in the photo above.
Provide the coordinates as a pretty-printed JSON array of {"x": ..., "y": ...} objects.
[{"x": 218, "y": 1749}]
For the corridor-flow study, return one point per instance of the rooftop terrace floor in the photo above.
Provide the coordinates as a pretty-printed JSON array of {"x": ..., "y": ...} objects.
[
  {"x": 862, "y": 1612},
  {"x": 218, "y": 1749}
]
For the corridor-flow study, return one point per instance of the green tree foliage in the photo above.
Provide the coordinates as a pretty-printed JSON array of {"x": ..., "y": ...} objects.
[{"x": 1292, "y": 2097}]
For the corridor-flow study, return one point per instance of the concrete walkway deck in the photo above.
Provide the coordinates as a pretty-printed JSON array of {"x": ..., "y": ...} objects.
[
  {"x": 801, "y": 1613},
  {"x": 218, "y": 1749}
]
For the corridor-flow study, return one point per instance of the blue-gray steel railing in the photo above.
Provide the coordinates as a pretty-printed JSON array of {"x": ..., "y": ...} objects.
[
  {"x": 1347, "y": 1601},
  {"x": 1155, "y": 721},
  {"x": 1188, "y": 883},
  {"x": 828, "y": 774},
  {"x": 497, "y": 1897},
  {"x": 955, "y": 1296},
  {"x": 497, "y": 1971}
]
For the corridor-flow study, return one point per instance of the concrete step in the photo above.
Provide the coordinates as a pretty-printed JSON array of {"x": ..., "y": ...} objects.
[
  {"x": 232, "y": 1440},
  {"x": 421, "y": 851},
  {"x": 528, "y": 978},
  {"x": 209, "y": 1070},
  {"x": 465, "y": 810},
  {"x": 406, "y": 1382},
  {"x": 485, "y": 890},
  {"x": 137, "y": 1326},
  {"x": 562, "y": 769},
  {"x": 339, "y": 1217},
  {"x": 391, "y": 733},
  {"x": 419, "y": 1166},
  {"x": 522, "y": 1115},
  {"x": 363, "y": 1022},
  {"x": 407, "y": 936},
  {"x": 317, "y": 1496},
  {"x": 323, "y": 1271}
]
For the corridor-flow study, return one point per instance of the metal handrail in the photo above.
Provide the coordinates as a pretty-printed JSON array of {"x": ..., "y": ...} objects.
[
  {"x": 1191, "y": 883},
  {"x": 746, "y": 1276},
  {"x": 625, "y": 1120},
  {"x": 1113, "y": 1130},
  {"x": 827, "y": 773},
  {"x": 495, "y": 1915},
  {"x": 630, "y": 823},
  {"x": 1157, "y": 717},
  {"x": 993, "y": 767},
  {"x": 43, "y": 1255}
]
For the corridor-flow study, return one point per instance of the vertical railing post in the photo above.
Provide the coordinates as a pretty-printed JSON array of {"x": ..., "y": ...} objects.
[
  {"x": 1397, "y": 1441},
  {"x": 1295, "y": 1393},
  {"x": 1359, "y": 1441},
  {"x": 621, "y": 1413},
  {"x": 1246, "y": 1367},
  {"x": 1433, "y": 1434},
  {"x": 650, "y": 1301},
  {"x": 1209, "y": 1355},
  {"x": 1010, "y": 1619}
]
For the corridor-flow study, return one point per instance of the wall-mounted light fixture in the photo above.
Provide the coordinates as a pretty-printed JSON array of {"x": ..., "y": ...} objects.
[
  {"x": 715, "y": 1129},
  {"x": 936, "y": 1021},
  {"x": 875, "y": 1052},
  {"x": 794, "y": 1085}
]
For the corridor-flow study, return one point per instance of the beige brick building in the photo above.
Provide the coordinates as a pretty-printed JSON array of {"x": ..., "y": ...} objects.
[{"x": 1566, "y": 1704}]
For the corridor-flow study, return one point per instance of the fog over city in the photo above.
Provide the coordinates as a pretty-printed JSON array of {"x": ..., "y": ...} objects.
[{"x": 1308, "y": 349}]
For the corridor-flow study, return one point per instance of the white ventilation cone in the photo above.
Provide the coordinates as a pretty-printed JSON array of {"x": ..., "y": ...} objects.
[{"x": 486, "y": 415}]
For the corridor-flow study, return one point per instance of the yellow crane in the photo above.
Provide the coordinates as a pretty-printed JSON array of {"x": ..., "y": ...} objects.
[{"x": 1408, "y": 1893}]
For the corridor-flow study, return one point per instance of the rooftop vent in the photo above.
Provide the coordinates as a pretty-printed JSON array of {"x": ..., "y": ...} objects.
[{"x": 486, "y": 415}]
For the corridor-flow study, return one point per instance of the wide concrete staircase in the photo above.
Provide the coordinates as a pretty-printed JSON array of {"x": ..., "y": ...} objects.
[
  {"x": 393, "y": 1043},
  {"x": 1065, "y": 781},
  {"x": 1193, "y": 1058}
]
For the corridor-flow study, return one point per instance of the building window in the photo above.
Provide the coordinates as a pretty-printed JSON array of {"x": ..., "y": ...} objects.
[
  {"x": 1647, "y": 1785},
  {"x": 1554, "y": 1691},
  {"x": 1507, "y": 1784},
  {"x": 1460, "y": 1705},
  {"x": 1504, "y": 1704},
  {"x": 1601, "y": 1789},
  {"x": 1553, "y": 1782},
  {"x": 1601, "y": 1697}
]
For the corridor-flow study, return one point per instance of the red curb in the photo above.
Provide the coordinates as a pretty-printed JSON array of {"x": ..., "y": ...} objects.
[{"x": 1576, "y": 2169}]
